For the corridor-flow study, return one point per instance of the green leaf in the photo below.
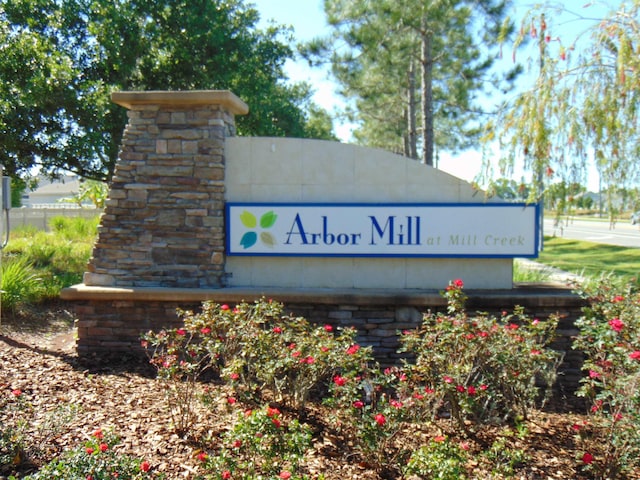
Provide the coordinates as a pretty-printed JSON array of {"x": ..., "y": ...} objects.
[
  {"x": 248, "y": 240},
  {"x": 248, "y": 219},
  {"x": 268, "y": 219}
]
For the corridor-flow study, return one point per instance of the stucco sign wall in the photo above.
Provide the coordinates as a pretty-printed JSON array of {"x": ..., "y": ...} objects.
[
  {"x": 394, "y": 230},
  {"x": 310, "y": 207}
]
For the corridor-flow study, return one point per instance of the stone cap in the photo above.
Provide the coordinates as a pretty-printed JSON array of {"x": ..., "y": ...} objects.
[
  {"x": 177, "y": 98},
  {"x": 525, "y": 295}
]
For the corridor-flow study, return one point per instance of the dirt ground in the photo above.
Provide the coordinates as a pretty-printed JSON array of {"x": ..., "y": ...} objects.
[{"x": 121, "y": 393}]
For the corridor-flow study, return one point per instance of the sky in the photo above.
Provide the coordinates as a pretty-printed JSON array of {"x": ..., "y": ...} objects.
[{"x": 307, "y": 18}]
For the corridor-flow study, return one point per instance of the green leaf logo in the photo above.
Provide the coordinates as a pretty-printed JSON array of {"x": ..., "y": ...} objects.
[
  {"x": 249, "y": 239},
  {"x": 268, "y": 219},
  {"x": 248, "y": 219}
]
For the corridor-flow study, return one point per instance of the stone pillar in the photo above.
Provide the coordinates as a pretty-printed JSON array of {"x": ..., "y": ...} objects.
[{"x": 163, "y": 224}]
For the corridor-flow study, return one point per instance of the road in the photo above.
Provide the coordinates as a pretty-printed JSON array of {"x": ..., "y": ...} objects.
[{"x": 623, "y": 234}]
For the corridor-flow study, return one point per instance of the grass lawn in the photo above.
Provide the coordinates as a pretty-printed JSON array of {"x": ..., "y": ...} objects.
[{"x": 590, "y": 259}]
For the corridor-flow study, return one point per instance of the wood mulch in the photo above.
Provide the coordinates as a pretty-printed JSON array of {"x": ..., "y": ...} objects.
[{"x": 70, "y": 397}]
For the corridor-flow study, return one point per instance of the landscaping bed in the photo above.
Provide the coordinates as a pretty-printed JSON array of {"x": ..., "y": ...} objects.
[{"x": 122, "y": 395}]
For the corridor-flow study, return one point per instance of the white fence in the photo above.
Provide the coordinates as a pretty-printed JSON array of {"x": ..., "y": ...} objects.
[{"x": 40, "y": 217}]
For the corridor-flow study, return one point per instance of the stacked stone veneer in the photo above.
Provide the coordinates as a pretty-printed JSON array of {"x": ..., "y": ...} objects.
[{"x": 163, "y": 224}]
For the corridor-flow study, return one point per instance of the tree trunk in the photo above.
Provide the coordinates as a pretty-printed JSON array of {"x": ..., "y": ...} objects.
[
  {"x": 411, "y": 120},
  {"x": 427, "y": 94},
  {"x": 406, "y": 147}
]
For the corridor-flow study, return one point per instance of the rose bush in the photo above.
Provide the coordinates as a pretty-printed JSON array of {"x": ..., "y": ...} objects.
[
  {"x": 480, "y": 369},
  {"x": 610, "y": 340},
  {"x": 96, "y": 460},
  {"x": 261, "y": 443},
  {"x": 252, "y": 347}
]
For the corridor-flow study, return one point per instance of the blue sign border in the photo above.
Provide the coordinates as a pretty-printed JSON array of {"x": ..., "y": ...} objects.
[{"x": 538, "y": 242}]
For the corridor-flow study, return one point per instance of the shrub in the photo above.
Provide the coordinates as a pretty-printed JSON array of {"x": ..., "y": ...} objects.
[
  {"x": 368, "y": 407},
  {"x": 17, "y": 446},
  {"x": 504, "y": 457},
  {"x": 262, "y": 442},
  {"x": 253, "y": 347},
  {"x": 610, "y": 339},
  {"x": 499, "y": 362},
  {"x": 97, "y": 460},
  {"x": 57, "y": 258},
  {"x": 20, "y": 283},
  {"x": 75, "y": 228},
  {"x": 439, "y": 459},
  {"x": 12, "y": 439}
]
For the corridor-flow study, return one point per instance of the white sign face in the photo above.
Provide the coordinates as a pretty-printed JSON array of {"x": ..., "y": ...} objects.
[{"x": 387, "y": 230}]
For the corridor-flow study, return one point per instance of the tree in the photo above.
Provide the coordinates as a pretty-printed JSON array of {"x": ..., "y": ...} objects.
[
  {"x": 61, "y": 59},
  {"x": 583, "y": 104},
  {"x": 509, "y": 189},
  {"x": 92, "y": 191},
  {"x": 412, "y": 64}
]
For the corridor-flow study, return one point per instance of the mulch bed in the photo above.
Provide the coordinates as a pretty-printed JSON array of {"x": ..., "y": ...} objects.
[{"x": 121, "y": 393}]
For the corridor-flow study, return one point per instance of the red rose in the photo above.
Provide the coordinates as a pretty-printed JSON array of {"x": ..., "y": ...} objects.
[
  {"x": 616, "y": 324},
  {"x": 380, "y": 419},
  {"x": 224, "y": 307},
  {"x": 285, "y": 475},
  {"x": 104, "y": 447},
  {"x": 202, "y": 456},
  {"x": 272, "y": 412},
  {"x": 339, "y": 381},
  {"x": 145, "y": 466},
  {"x": 353, "y": 349},
  {"x": 587, "y": 458},
  {"x": 328, "y": 328}
]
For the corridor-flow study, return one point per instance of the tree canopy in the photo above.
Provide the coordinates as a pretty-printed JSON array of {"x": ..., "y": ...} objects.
[
  {"x": 414, "y": 69},
  {"x": 582, "y": 107},
  {"x": 61, "y": 59}
]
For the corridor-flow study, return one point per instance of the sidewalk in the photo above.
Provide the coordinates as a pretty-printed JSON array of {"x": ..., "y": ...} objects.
[{"x": 555, "y": 274}]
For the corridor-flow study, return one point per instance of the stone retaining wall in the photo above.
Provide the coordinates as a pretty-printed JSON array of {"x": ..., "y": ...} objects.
[{"x": 113, "y": 319}]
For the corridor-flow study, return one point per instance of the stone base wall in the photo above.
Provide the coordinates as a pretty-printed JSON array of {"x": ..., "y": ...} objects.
[{"x": 114, "y": 324}]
